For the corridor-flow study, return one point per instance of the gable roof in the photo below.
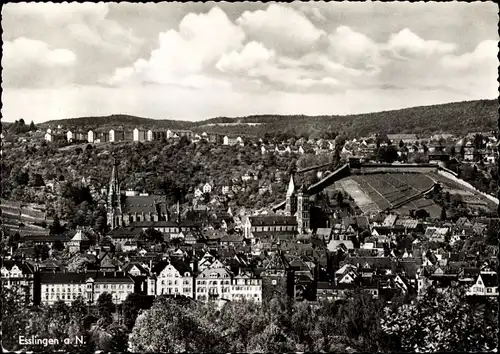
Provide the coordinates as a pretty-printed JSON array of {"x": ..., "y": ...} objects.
[{"x": 140, "y": 204}]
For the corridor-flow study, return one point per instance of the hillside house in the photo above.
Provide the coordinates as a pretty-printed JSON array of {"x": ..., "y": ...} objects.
[
  {"x": 207, "y": 188},
  {"x": 486, "y": 284},
  {"x": 140, "y": 135}
]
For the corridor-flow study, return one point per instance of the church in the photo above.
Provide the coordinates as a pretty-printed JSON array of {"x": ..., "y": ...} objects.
[
  {"x": 122, "y": 210},
  {"x": 297, "y": 204}
]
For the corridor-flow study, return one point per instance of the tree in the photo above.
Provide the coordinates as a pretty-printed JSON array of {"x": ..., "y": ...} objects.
[
  {"x": 421, "y": 214},
  {"x": 442, "y": 322},
  {"x": 56, "y": 227},
  {"x": 32, "y": 127},
  {"x": 154, "y": 235},
  {"x": 181, "y": 329},
  {"x": 443, "y": 214},
  {"x": 15, "y": 319},
  {"x": 105, "y": 308}
]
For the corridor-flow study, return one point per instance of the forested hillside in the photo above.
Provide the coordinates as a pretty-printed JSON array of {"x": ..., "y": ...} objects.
[{"x": 457, "y": 118}]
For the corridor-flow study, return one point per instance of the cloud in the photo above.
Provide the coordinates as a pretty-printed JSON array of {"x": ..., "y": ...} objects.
[
  {"x": 29, "y": 62},
  {"x": 407, "y": 44},
  {"x": 200, "y": 41},
  {"x": 59, "y": 14},
  {"x": 24, "y": 52},
  {"x": 354, "y": 49},
  {"x": 281, "y": 28},
  {"x": 486, "y": 52},
  {"x": 253, "y": 55}
]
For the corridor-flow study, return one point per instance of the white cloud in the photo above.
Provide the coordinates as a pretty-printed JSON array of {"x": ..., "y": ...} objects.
[
  {"x": 353, "y": 49},
  {"x": 253, "y": 55},
  {"x": 281, "y": 28},
  {"x": 407, "y": 44},
  {"x": 58, "y": 14},
  {"x": 200, "y": 41},
  {"x": 24, "y": 52},
  {"x": 485, "y": 53}
]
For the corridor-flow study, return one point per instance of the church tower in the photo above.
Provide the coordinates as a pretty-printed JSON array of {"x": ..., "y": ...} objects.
[
  {"x": 291, "y": 199},
  {"x": 114, "y": 198},
  {"x": 303, "y": 211}
]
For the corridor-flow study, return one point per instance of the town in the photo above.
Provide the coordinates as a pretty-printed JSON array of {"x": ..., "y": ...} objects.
[{"x": 387, "y": 215}]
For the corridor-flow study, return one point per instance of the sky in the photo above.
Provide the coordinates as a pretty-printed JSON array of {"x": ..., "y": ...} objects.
[{"x": 195, "y": 61}]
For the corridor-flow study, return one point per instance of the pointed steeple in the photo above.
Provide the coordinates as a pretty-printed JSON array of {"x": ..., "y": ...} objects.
[{"x": 291, "y": 187}]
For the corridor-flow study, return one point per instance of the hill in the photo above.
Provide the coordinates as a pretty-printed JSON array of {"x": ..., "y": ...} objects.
[
  {"x": 456, "y": 118},
  {"x": 114, "y": 120}
]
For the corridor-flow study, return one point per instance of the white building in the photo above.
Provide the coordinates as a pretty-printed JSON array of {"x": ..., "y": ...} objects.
[
  {"x": 173, "y": 278},
  {"x": 198, "y": 193},
  {"x": 214, "y": 283},
  {"x": 69, "y": 286},
  {"x": 69, "y": 136},
  {"x": 486, "y": 285},
  {"x": 48, "y": 135},
  {"x": 246, "y": 287},
  {"x": 112, "y": 135},
  {"x": 90, "y": 136},
  {"x": 207, "y": 188}
]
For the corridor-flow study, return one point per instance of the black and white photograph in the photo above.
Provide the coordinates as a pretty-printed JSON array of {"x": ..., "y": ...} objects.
[{"x": 249, "y": 177}]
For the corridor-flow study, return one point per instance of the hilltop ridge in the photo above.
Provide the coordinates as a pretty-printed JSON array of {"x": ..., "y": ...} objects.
[{"x": 456, "y": 118}]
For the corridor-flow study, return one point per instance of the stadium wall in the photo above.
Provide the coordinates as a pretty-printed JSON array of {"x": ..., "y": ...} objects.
[{"x": 467, "y": 185}]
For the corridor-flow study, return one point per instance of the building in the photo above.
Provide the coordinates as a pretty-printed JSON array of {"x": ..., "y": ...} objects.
[
  {"x": 245, "y": 286},
  {"x": 19, "y": 276},
  {"x": 78, "y": 242},
  {"x": 123, "y": 210},
  {"x": 486, "y": 284},
  {"x": 140, "y": 135},
  {"x": 48, "y": 135},
  {"x": 214, "y": 283},
  {"x": 171, "y": 278},
  {"x": 269, "y": 224},
  {"x": 297, "y": 204},
  {"x": 277, "y": 278},
  {"x": 207, "y": 188},
  {"x": 88, "y": 286}
]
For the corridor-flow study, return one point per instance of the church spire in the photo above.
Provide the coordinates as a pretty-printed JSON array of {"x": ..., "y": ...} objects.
[
  {"x": 291, "y": 187},
  {"x": 114, "y": 197}
]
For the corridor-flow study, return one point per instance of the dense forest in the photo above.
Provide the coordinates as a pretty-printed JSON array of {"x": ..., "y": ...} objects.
[{"x": 456, "y": 118}]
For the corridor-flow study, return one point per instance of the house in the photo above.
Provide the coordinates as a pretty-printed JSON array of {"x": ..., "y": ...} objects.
[
  {"x": 246, "y": 286},
  {"x": 225, "y": 189},
  {"x": 214, "y": 283},
  {"x": 207, "y": 188},
  {"x": 19, "y": 275},
  {"x": 48, "y": 135},
  {"x": 78, "y": 242},
  {"x": 405, "y": 138},
  {"x": 123, "y": 234},
  {"x": 198, "y": 193},
  {"x": 229, "y": 141},
  {"x": 173, "y": 277},
  {"x": 486, "y": 285},
  {"x": 436, "y": 234},
  {"x": 90, "y": 136},
  {"x": 140, "y": 135}
]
